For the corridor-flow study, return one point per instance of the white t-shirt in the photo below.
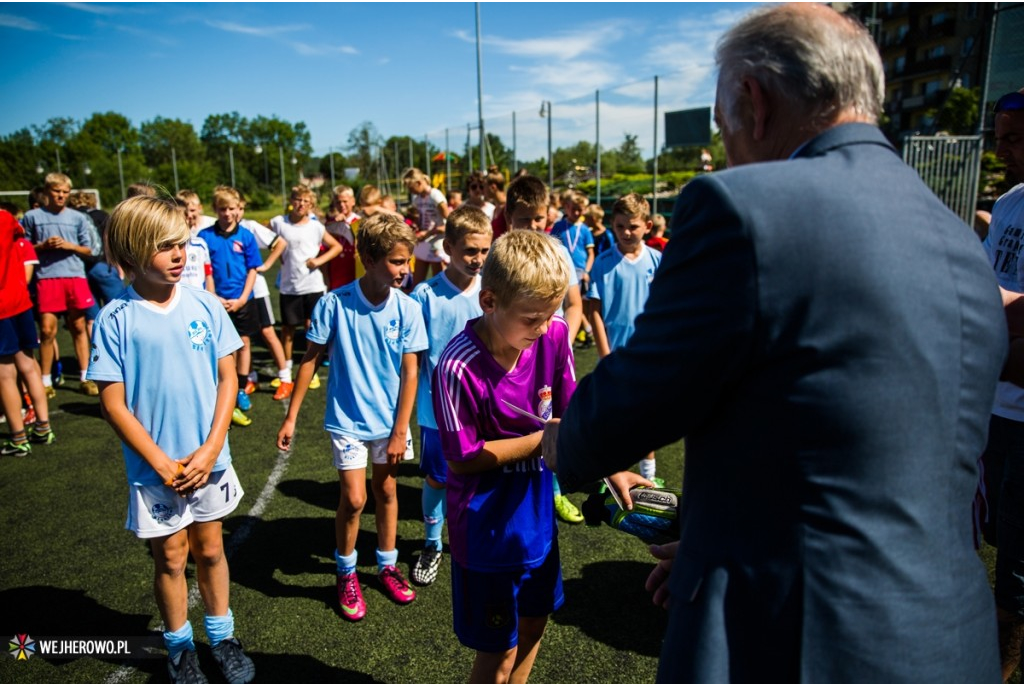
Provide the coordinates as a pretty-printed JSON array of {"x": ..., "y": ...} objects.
[
  {"x": 304, "y": 242},
  {"x": 264, "y": 238},
  {"x": 1004, "y": 245}
]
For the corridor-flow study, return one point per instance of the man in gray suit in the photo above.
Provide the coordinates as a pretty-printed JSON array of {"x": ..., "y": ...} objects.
[{"x": 827, "y": 337}]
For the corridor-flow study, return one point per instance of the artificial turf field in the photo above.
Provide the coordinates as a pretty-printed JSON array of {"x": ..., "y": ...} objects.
[{"x": 68, "y": 568}]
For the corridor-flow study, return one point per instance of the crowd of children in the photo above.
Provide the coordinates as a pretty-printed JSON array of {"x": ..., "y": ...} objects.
[{"x": 482, "y": 350}]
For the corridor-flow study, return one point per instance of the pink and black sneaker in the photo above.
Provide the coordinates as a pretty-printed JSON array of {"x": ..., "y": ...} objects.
[
  {"x": 395, "y": 585},
  {"x": 350, "y": 597}
]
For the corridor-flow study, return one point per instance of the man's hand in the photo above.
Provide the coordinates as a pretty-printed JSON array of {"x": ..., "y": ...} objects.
[{"x": 657, "y": 581}]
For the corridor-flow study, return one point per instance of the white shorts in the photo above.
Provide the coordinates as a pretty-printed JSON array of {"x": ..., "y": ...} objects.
[
  {"x": 431, "y": 251},
  {"x": 156, "y": 510},
  {"x": 352, "y": 453}
]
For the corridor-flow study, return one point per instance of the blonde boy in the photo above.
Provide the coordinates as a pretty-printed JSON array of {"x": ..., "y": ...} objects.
[
  {"x": 61, "y": 238},
  {"x": 173, "y": 432},
  {"x": 448, "y": 300},
  {"x": 373, "y": 333},
  {"x": 513, "y": 361},
  {"x": 621, "y": 282},
  {"x": 526, "y": 207}
]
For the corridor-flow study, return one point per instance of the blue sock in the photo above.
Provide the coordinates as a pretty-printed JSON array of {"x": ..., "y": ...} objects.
[
  {"x": 434, "y": 501},
  {"x": 554, "y": 484},
  {"x": 219, "y": 628},
  {"x": 177, "y": 641},
  {"x": 346, "y": 564},
  {"x": 389, "y": 558}
]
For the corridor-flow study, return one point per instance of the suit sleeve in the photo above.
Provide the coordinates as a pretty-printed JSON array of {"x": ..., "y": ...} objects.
[{"x": 691, "y": 345}]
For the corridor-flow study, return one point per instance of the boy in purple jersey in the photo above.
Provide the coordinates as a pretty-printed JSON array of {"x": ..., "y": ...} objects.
[{"x": 514, "y": 361}]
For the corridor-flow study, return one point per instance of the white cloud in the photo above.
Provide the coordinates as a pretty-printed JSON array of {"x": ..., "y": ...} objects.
[
  {"x": 14, "y": 22},
  {"x": 258, "y": 31},
  {"x": 317, "y": 50},
  {"x": 564, "y": 46},
  {"x": 92, "y": 8}
]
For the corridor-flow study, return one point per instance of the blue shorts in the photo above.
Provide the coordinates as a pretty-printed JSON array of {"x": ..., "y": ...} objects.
[
  {"x": 432, "y": 462},
  {"x": 486, "y": 607},
  {"x": 18, "y": 333}
]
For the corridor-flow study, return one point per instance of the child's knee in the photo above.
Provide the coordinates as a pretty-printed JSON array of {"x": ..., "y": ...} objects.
[
  {"x": 385, "y": 489},
  {"x": 208, "y": 554},
  {"x": 351, "y": 503},
  {"x": 170, "y": 558}
]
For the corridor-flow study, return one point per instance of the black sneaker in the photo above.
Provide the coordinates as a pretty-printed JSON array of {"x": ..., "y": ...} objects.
[
  {"x": 187, "y": 669},
  {"x": 233, "y": 662},
  {"x": 425, "y": 570},
  {"x": 16, "y": 449}
]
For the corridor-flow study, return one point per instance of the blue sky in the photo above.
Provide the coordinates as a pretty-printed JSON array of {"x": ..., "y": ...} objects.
[{"x": 408, "y": 68}]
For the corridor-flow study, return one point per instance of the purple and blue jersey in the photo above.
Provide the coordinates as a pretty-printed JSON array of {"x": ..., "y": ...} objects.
[{"x": 502, "y": 519}]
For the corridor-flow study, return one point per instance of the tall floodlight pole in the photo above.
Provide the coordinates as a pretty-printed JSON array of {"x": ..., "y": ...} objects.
[
  {"x": 280, "y": 158},
  {"x": 426, "y": 155},
  {"x": 231, "y": 162},
  {"x": 469, "y": 149},
  {"x": 515, "y": 157},
  {"x": 480, "y": 89},
  {"x": 597, "y": 139},
  {"x": 654, "y": 184},
  {"x": 551, "y": 159},
  {"x": 174, "y": 166},
  {"x": 331, "y": 153},
  {"x": 447, "y": 164},
  {"x": 59, "y": 170},
  {"x": 120, "y": 171}
]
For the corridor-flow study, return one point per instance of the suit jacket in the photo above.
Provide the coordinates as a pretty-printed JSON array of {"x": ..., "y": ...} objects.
[{"x": 827, "y": 336}]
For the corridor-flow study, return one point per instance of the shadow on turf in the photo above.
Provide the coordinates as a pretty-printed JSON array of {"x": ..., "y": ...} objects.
[
  {"x": 82, "y": 409},
  {"x": 45, "y": 611},
  {"x": 619, "y": 585}
]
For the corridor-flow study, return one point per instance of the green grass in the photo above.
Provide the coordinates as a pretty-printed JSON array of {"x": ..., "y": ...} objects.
[{"x": 68, "y": 568}]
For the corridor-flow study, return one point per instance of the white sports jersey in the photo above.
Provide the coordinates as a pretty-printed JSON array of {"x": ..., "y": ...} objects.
[
  {"x": 167, "y": 359},
  {"x": 264, "y": 238},
  {"x": 304, "y": 242},
  {"x": 197, "y": 263}
]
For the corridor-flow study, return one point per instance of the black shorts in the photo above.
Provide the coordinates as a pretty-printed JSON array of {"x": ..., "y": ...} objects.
[
  {"x": 297, "y": 309},
  {"x": 246, "y": 319},
  {"x": 266, "y": 314}
]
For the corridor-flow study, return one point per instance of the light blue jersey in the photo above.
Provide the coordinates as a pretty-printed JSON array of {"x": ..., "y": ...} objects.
[
  {"x": 167, "y": 359},
  {"x": 446, "y": 309},
  {"x": 622, "y": 287},
  {"x": 365, "y": 344},
  {"x": 573, "y": 278}
]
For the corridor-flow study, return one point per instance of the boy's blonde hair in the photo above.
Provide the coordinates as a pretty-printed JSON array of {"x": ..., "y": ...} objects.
[
  {"x": 225, "y": 195},
  {"x": 369, "y": 196},
  {"x": 340, "y": 190},
  {"x": 380, "y": 233},
  {"x": 525, "y": 265},
  {"x": 633, "y": 206},
  {"x": 303, "y": 191},
  {"x": 595, "y": 213},
  {"x": 413, "y": 173},
  {"x": 139, "y": 227},
  {"x": 140, "y": 189},
  {"x": 55, "y": 178},
  {"x": 659, "y": 223},
  {"x": 189, "y": 197},
  {"x": 81, "y": 200},
  {"x": 577, "y": 198},
  {"x": 466, "y": 221}
]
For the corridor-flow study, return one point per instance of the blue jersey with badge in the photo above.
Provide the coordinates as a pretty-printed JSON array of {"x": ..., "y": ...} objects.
[
  {"x": 365, "y": 344},
  {"x": 231, "y": 256},
  {"x": 167, "y": 359},
  {"x": 622, "y": 287},
  {"x": 446, "y": 309}
]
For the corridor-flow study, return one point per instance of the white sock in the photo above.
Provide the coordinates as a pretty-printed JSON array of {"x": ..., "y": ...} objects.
[
  {"x": 285, "y": 374},
  {"x": 82, "y": 376},
  {"x": 288, "y": 364},
  {"x": 47, "y": 380},
  {"x": 647, "y": 468}
]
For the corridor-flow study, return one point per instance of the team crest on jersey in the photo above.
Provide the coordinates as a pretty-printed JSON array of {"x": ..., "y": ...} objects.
[
  {"x": 650, "y": 275},
  {"x": 199, "y": 334},
  {"x": 392, "y": 331},
  {"x": 161, "y": 513},
  {"x": 544, "y": 402},
  {"x": 237, "y": 246}
]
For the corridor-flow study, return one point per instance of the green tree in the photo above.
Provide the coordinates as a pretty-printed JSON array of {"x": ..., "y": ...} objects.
[
  {"x": 361, "y": 144},
  {"x": 958, "y": 115},
  {"x": 630, "y": 160}
]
